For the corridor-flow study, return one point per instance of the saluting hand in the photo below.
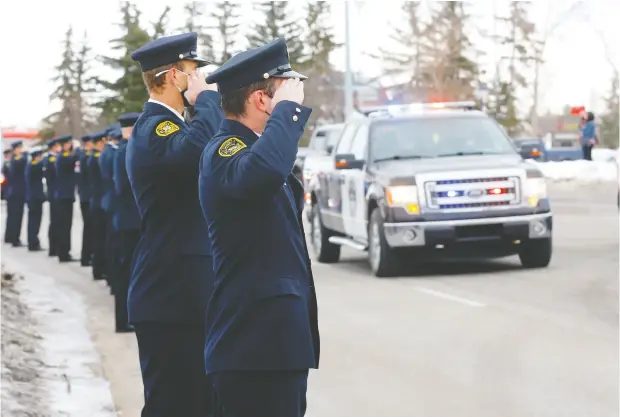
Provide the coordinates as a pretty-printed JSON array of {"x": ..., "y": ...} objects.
[
  {"x": 196, "y": 84},
  {"x": 291, "y": 89}
]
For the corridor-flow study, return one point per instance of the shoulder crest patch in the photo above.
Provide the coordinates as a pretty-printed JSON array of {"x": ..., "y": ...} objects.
[
  {"x": 230, "y": 147},
  {"x": 96, "y": 154},
  {"x": 52, "y": 159},
  {"x": 166, "y": 128}
]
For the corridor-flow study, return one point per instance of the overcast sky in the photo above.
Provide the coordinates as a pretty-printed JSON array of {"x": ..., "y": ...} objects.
[{"x": 576, "y": 72}]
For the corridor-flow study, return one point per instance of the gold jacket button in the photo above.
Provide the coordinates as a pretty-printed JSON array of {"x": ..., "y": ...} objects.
[
  {"x": 295, "y": 118},
  {"x": 298, "y": 110}
]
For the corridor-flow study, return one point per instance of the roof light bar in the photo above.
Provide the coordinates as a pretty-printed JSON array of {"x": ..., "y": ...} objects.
[{"x": 417, "y": 107}]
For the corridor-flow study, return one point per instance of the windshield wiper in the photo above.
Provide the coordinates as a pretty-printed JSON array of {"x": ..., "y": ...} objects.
[
  {"x": 467, "y": 153},
  {"x": 400, "y": 157}
]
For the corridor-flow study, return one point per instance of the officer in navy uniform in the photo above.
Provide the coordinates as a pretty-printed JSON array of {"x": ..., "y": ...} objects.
[
  {"x": 65, "y": 196},
  {"x": 126, "y": 224},
  {"x": 16, "y": 197},
  {"x": 109, "y": 203},
  {"x": 96, "y": 211},
  {"x": 85, "y": 193},
  {"x": 262, "y": 329},
  {"x": 51, "y": 182},
  {"x": 5, "y": 173},
  {"x": 35, "y": 196},
  {"x": 171, "y": 278}
]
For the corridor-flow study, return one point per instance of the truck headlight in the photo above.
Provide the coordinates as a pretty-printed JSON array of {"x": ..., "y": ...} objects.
[
  {"x": 405, "y": 196},
  {"x": 535, "y": 187}
]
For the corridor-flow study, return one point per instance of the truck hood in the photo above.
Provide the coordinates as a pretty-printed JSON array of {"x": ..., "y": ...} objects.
[{"x": 453, "y": 163}]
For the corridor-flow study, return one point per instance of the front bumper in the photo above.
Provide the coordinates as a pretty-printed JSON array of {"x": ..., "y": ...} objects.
[{"x": 447, "y": 232}]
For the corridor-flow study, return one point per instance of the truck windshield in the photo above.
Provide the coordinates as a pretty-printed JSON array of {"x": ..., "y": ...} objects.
[{"x": 438, "y": 137}]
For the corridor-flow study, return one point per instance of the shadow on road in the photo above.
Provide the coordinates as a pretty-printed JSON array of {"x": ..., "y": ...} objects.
[{"x": 439, "y": 268}]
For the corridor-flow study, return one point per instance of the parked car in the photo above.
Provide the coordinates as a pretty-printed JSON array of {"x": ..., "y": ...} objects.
[
  {"x": 321, "y": 143},
  {"x": 531, "y": 148}
]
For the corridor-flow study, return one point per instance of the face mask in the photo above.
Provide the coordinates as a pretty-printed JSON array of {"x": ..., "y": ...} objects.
[{"x": 185, "y": 102}]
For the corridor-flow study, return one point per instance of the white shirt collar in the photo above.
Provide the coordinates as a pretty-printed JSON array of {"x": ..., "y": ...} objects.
[
  {"x": 152, "y": 100},
  {"x": 257, "y": 134}
]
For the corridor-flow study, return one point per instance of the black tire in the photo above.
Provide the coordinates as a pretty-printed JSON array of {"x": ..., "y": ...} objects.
[
  {"x": 384, "y": 262},
  {"x": 536, "y": 253},
  {"x": 324, "y": 251}
]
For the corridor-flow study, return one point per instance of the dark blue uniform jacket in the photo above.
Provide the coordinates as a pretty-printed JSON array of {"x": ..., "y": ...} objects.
[
  {"x": 51, "y": 180},
  {"x": 96, "y": 182},
  {"x": 34, "y": 181},
  {"x": 5, "y": 171},
  {"x": 171, "y": 275},
  {"x": 263, "y": 313},
  {"x": 17, "y": 173},
  {"x": 126, "y": 216},
  {"x": 66, "y": 176},
  {"x": 83, "y": 182},
  {"x": 106, "y": 165}
]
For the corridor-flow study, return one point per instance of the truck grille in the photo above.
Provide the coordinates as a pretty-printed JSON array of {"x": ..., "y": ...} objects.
[{"x": 472, "y": 193}]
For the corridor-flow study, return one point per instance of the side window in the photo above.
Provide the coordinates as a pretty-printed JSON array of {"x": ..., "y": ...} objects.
[
  {"x": 358, "y": 147},
  {"x": 344, "y": 145},
  {"x": 318, "y": 142}
]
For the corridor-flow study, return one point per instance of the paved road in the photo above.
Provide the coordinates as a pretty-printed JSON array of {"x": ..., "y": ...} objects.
[{"x": 483, "y": 339}]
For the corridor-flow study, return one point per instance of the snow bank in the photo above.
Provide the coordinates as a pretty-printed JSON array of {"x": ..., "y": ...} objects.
[
  {"x": 70, "y": 373},
  {"x": 581, "y": 171}
]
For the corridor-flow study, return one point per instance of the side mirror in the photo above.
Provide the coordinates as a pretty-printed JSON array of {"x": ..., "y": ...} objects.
[{"x": 348, "y": 161}]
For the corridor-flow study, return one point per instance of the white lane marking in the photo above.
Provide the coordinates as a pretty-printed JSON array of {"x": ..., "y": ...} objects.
[{"x": 451, "y": 297}]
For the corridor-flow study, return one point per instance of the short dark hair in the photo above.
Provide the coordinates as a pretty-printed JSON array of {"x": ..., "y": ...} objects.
[
  {"x": 154, "y": 83},
  {"x": 233, "y": 102}
]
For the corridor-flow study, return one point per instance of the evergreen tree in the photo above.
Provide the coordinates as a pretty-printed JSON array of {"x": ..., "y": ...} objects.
[
  {"x": 278, "y": 24},
  {"x": 225, "y": 14},
  {"x": 502, "y": 107},
  {"x": 62, "y": 121},
  {"x": 322, "y": 93},
  {"x": 194, "y": 15},
  {"x": 450, "y": 73},
  {"x": 610, "y": 121},
  {"x": 84, "y": 88},
  {"x": 410, "y": 52},
  {"x": 127, "y": 92}
]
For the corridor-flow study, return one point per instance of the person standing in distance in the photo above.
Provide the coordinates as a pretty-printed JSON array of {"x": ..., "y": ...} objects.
[
  {"x": 126, "y": 224},
  {"x": 51, "y": 182},
  {"x": 65, "y": 196},
  {"x": 96, "y": 211},
  {"x": 5, "y": 175},
  {"x": 262, "y": 327},
  {"x": 109, "y": 203},
  {"x": 16, "y": 197},
  {"x": 35, "y": 198},
  {"x": 171, "y": 278},
  {"x": 84, "y": 193}
]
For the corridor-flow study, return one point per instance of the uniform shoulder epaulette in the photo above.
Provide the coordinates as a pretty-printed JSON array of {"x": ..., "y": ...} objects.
[{"x": 231, "y": 146}]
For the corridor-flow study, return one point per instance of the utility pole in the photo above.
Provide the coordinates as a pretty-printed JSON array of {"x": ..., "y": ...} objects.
[{"x": 348, "y": 75}]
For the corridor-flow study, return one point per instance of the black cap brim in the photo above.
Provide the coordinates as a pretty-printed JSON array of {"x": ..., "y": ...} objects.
[
  {"x": 291, "y": 74},
  {"x": 199, "y": 61}
]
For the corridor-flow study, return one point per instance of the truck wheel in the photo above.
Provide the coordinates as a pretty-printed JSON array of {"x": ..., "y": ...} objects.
[
  {"x": 383, "y": 261},
  {"x": 536, "y": 253},
  {"x": 324, "y": 250}
]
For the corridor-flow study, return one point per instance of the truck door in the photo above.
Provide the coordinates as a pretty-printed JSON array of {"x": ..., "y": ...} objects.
[
  {"x": 354, "y": 189},
  {"x": 336, "y": 180}
]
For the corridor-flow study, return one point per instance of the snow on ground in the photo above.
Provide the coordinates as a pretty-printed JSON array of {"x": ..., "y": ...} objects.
[
  {"x": 580, "y": 171},
  {"x": 49, "y": 364}
]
